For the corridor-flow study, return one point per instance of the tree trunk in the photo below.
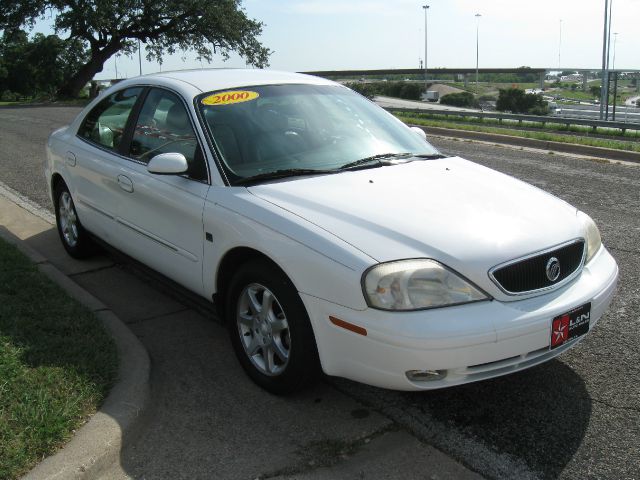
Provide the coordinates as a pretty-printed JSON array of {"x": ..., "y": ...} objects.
[{"x": 72, "y": 87}]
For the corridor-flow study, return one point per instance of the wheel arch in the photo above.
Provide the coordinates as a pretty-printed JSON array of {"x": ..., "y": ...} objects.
[
  {"x": 56, "y": 180},
  {"x": 229, "y": 263}
]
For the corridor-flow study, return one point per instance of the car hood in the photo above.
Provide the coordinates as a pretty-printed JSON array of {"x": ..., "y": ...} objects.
[{"x": 463, "y": 214}]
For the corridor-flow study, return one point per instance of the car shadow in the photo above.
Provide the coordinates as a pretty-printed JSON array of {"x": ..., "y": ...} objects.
[{"x": 539, "y": 416}]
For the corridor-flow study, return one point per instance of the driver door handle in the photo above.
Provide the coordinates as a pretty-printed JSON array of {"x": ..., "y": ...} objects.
[{"x": 125, "y": 183}]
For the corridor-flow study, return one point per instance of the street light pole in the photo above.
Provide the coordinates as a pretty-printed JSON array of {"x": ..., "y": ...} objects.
[
  {"x": 139, "y": 57},
  {"x": 615, "y": 40},
  {"x": 560, "y": 46},
  {"x": 426, "y": 45},
  {"x": 477, "y": 47}
]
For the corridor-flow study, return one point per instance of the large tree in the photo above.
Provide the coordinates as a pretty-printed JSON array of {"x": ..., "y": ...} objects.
[{"x": 107, "y": 27}]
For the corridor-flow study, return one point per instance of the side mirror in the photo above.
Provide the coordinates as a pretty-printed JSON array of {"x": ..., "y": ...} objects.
[
  {"x": 420, "y": 132},
  {"x": 168, "y": 164}
]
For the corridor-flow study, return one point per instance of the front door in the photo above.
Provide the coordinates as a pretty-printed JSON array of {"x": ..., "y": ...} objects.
[{"x": 160, "y": 216}]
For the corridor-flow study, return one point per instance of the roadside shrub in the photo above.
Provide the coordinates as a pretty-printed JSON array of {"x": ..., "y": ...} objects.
[
  {"x": 9, "y": 96},
  {"x": 539, "y": 110},
  {"x": 487, "y": 98},
  {"x": 406, "y": 90},
  {"x": 515, "y": 100},
  {"x": 462, "y": 99}
]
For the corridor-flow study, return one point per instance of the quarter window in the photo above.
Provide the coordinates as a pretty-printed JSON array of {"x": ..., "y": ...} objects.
[
  {"x": 105, "y": 124},
  {"x": 163, "y": 126}
]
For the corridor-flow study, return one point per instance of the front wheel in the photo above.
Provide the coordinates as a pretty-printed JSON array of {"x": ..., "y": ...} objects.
[
  {"x": 270, "y": 329},
  {"x": 75, "y": 239}
]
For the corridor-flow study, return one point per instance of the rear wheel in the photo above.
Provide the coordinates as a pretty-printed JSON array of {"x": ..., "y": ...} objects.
[
  {"x": 74, "y": 237},
  {"x": 270, "y": 329}
]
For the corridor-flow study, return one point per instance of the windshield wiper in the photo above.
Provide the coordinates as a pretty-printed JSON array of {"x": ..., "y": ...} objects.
[
  {"x": 374, "y": 160},
  {"x": 431, "y": 156},
  {"x": 284, "y": 173}
]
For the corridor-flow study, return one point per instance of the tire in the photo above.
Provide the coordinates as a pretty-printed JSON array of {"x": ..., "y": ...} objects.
[
  {"x": 270, "y": 329},
  {"x": 75, "y": 239}
]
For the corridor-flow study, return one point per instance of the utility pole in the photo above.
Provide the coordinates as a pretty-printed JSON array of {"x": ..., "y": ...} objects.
[
  {"x": 426, "y": 45},
  {"x": 603, "y": 87},
  {"x": 615, "y": 41},
  {"x": 606, "y": 56},
  {"x": 477, "y": 47},
  {"x": 606, "y": 112}
]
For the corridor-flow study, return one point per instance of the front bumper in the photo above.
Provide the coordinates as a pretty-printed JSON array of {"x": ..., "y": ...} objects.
[{"x": 470, "y": 342}]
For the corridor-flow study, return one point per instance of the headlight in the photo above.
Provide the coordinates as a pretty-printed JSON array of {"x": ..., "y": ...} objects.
[
  {"x": 591, "y": 234},
  {"x": 415, "y": 285}
]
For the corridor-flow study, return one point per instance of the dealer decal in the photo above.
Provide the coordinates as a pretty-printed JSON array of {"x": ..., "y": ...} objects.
[{"x": 228, "y": 98}]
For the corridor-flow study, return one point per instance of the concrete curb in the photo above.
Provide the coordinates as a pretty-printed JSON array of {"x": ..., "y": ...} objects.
[
  {"x": 599, "y": 152},
  {"x": 96, "y": 446}
]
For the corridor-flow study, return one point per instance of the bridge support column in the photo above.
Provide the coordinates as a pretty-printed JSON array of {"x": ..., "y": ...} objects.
[
  {"x": 584, "y": 80},
  {"x": 542, "y": 76},
  {"x": 466, "y": 80}
]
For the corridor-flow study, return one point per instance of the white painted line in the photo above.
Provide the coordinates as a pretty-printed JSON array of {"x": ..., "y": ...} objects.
[{"x": 29, "y": 205}]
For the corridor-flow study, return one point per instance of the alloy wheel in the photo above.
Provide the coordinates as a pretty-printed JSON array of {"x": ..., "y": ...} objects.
[{"x": 263, "y": 329}]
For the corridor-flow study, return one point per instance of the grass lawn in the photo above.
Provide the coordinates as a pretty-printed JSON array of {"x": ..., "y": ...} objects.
[
  {"x": 57, "y": 364},
  {"x": 538, "y": 135}
]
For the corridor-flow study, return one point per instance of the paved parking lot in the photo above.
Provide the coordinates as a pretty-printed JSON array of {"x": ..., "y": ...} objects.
[{"x": 575, "y": 417}]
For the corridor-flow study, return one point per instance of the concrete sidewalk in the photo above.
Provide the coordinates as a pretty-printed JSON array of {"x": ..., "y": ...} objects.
[{"x": 205, "y": 418}]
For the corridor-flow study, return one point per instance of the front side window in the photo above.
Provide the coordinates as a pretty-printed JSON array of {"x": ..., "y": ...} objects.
[
  {"x": 163, "y": 126},
  {"x": 274, "y": 128},
  {"x": 106, "y": 122}
]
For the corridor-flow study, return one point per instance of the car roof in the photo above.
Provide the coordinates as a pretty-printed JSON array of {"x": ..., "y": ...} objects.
[{"x": 219, "y": 79}]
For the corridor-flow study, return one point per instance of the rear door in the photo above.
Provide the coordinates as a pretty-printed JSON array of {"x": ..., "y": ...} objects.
[{"x": 94, "y": 161}]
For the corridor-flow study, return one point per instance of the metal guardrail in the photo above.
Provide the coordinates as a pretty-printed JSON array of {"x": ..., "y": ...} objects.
[{"x": 522, "y": 118}]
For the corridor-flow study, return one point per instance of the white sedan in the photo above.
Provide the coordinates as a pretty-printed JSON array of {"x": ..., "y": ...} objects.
[{"x": 330, "y": 236}]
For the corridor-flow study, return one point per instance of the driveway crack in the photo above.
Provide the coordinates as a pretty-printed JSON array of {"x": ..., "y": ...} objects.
[{"x": 617, "y": 407}]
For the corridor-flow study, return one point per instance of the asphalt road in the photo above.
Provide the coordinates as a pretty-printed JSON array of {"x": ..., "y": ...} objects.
[{"x": 575, "y": 417}]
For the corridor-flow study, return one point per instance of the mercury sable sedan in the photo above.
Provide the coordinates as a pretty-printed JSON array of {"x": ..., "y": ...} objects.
[{"x": 331, "y": 236}]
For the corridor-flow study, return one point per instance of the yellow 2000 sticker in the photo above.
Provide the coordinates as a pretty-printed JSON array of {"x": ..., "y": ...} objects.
[{"x": 228, "y": 98}]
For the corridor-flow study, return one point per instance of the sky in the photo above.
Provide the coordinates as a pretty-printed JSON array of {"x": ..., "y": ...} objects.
[{"x": 308, "y": 35}]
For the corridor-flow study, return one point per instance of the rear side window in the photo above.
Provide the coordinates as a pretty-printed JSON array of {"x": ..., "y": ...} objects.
[{"x": 105, "y": 124}]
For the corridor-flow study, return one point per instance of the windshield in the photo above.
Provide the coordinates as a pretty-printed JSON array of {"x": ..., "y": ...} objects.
[{"x": 280, "y": 128}]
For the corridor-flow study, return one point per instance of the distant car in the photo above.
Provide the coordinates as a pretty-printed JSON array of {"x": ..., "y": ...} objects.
[{"x": 331, "y": 236}]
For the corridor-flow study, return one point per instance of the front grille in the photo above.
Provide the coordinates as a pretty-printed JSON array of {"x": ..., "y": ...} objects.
[{"x": 530, "y": 274}]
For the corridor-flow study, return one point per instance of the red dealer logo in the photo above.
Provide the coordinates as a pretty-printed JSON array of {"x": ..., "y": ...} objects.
[{"x": 559, "y": 330}]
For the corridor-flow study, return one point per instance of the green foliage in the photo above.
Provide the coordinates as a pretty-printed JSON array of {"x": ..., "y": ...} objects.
[
  {"x": 107, "y": 27},
  {"x": 38, "y": 66},
  {"x": 515, "y": 100},
  {"x": 406, "y": 90},
  {"x": 461, "y": 99},
  {"x": 595, "y": 90}
]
